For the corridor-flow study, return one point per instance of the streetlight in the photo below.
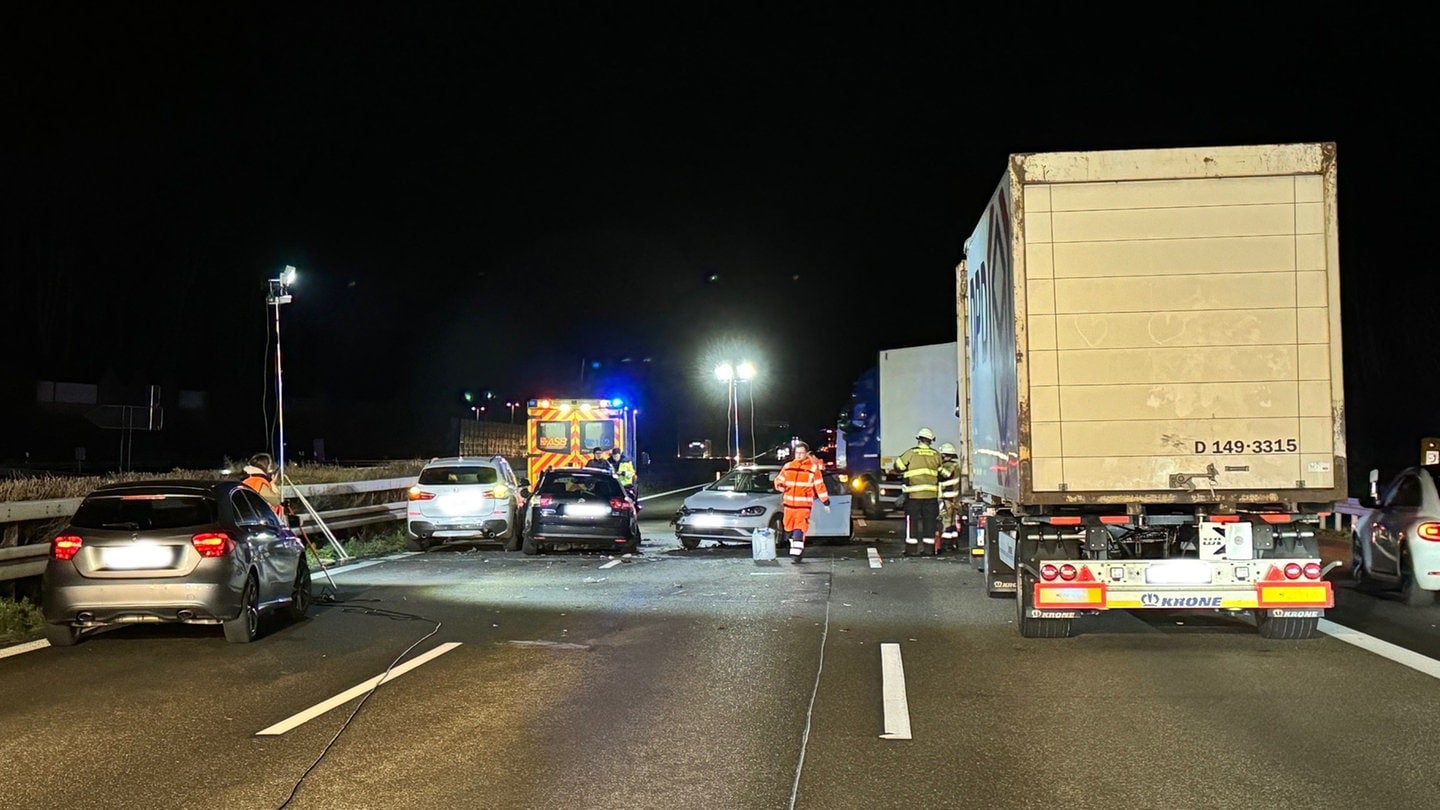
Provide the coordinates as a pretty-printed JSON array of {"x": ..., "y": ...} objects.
[
  {"x": 512, "y": 406},
  {"x": 280, "y": 294},
  {"x": 729, "y": 374}
]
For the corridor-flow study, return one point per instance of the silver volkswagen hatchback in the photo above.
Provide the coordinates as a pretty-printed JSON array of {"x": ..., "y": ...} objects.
[{"x": 190, "y": 552}]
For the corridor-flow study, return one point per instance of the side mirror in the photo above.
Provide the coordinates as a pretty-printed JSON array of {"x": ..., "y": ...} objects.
[{"x": 1367, "y": 501}]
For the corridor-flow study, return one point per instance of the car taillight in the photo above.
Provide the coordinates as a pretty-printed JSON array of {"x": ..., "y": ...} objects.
[
  {"x": 212, "y": 544},
  {"x": 545, "y": 500},
  {"x": 66, "y": 546},
  {"x": 1429, "y": 530},
  {"x": 418, "y": 494},
  {"x": 620, "y": 504},
  {"x": 1312, "y": 570},
  {"x": 1292, "y": 571}
]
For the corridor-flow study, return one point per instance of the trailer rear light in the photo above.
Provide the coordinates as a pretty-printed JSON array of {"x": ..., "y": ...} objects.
[
  {"x": 1067, "y": 572},
  {"x": 620, "y": 504},
  {"x": 1049, "y": 572},
  {"x": 1312, "y": 570},
  {"x": 66, "y": 546},
  {"x": 212, "y": 544},
  {"x": 1293, "y": 570},
  {"x": 1429, "y": 530},
  {"x": 418, "y": 494}
]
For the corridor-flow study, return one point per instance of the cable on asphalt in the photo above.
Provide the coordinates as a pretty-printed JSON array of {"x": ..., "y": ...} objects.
[{"x": 389, "y": 614}]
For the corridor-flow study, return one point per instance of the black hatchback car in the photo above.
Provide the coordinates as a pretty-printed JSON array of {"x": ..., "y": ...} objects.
[{"x": 580, "y": 507}]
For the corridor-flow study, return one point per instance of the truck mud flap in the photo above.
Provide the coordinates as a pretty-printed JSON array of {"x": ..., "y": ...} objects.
[{"x": 998, "y": 531}]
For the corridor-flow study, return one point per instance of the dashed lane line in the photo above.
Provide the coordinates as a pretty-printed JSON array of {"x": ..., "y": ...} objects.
[
  {"x": 897, "y": 707},
  {"x": 1384, "y": 649},
  {"x": 350, "y": 694}
]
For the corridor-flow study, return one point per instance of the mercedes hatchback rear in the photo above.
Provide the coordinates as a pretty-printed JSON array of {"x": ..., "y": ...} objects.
[{"x": 188, "y": 552}]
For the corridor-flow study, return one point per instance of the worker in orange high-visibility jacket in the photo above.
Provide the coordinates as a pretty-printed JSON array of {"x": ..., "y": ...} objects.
[{"x": 801, "y": 483}]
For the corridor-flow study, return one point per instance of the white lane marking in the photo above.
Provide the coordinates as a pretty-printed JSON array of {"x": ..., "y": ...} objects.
[
  {"x": 610, "y": 564},
  {"x": 892, "y": 679},
  {"x": 1384, "y": 649},
  {"x": 874, "y": 557},
  {"x": 29, "y": 646},
  {"x": 356, "y": 691}
]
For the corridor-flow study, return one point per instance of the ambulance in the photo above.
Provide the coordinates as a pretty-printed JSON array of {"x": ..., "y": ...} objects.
[{"x": 562, "y": 432}]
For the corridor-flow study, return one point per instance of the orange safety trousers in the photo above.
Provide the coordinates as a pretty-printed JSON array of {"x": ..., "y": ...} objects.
[{"x": 797, "y": 518}]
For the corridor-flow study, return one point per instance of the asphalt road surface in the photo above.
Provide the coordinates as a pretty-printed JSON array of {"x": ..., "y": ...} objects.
[{"x": 706, "y": 679}]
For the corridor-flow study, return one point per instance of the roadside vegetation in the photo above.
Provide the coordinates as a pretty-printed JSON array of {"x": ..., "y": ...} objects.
[{"x": 50, "y": 486}]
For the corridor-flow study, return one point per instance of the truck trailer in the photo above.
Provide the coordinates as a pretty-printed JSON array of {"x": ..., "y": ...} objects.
[
  {"x": 1157, "y": 415},
  {"x": 907, "y": 389}
]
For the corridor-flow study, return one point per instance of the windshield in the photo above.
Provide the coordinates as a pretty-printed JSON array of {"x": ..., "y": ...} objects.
[{"x": 752, "y": 481}]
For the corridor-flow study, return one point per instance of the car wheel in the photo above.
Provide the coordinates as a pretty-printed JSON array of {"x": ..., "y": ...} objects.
[
  {"x": 301, "y": 595},
  {"x": 1412, "y": 594},
  {"x": 689, "y": 543},
  {"x": 782, "y": 541},
  {"x": 62, "y": 635},
  {"x": 1357, "y": 563},
  {"x": 245, "y": 627},
  {"x": 512, "y": 540},
  {"x": 417, "y": 543},
  {"x": 633, "y": 547},
  {"x": 528, "y": 544}
]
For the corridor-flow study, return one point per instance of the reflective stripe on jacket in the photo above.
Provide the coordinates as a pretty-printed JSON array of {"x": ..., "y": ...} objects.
[
  {"x": 920, "y": 465},
  {"x": 801, "y": 484},
  {"x": 626, "y": 473},
  {"x": 950, "y": 480}
]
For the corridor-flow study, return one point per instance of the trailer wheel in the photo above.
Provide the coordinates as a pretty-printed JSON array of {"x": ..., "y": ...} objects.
[
  {"x": 869, "y": 499},
  {"x": 1024, "y": 600},
  {"x": 1285, "y": 627}
]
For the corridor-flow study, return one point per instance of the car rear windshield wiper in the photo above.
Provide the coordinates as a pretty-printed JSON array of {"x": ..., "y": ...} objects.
[{"x": 129, "y": 524}]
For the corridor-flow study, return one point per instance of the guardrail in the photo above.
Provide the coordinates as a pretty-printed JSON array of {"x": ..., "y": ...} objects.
[{"x": 29, "y": 560}]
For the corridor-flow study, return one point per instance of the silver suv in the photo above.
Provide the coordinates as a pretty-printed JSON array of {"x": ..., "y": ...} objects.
[{"x": 465, "y": 499}]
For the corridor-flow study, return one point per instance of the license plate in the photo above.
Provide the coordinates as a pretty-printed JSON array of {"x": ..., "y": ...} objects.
[
  {"x": 708, "y": 520},
  {"x": 1178, "y": 572},
  {"x": 133, "y": 558},
  {"x": 587, "y": 510}
]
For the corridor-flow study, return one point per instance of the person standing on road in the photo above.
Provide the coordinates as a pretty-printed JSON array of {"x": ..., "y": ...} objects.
[
  {"x": 599, "y": 461},
  {"x": 950, "y": 511},
  {"x": 625, "y": 471},
  {"x": 801, "y": 484},
  {"x": 920, "y": 466},
  {"x": 259, "y": 476}
]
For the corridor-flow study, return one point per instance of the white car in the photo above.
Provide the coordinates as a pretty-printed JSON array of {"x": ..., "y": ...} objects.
[
  {"x": 465, "y": 499},
  {"x": 744, "y": 499},
  {"x": 1397, "y": 544}
]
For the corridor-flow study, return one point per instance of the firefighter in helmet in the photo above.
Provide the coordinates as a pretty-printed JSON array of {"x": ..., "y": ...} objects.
[
  {"x": 920, "y": 467},
  {"x": 951, "y": 512}
]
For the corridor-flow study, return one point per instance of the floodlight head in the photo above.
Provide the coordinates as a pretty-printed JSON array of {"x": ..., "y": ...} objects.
[
  {"x": 288, "y": 277},
  {"x": 745, "y": 370},
  {"x": 725, "y": 372}
]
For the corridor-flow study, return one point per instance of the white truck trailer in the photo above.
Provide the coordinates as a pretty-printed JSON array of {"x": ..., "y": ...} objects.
[
  {"x": 908, "y": 388},
  {"x": 1156, "y": 391}
]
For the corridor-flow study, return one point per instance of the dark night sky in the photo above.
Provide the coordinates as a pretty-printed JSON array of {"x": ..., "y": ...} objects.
[{"x": 482, "y": 195}]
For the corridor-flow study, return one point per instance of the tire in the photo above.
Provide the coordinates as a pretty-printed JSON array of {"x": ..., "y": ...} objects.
[
  {"x": 1412, "y": 594},
  {"x": 512, "y": 542},
  {"x": 782, "y": 540},
  {"x": 870, "y": 501},
  {"x": 689, "y": 543},
  {"x": 62, "y": 635},
  {"x": 1032, "y": 627},
  {"x": 528, "y": 544},
  {"x": 1357, "y": 563},
  {"x": 245, "y": 627},
  {"x": 301, "y": 595},
  {"x": 421, "y": 544},
  {"x": 632, "y": 547},
  {"x": 1286, "y": 627}
]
